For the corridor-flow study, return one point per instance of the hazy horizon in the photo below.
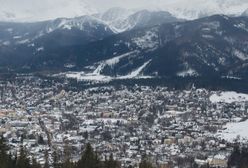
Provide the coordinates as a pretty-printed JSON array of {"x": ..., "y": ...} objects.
[{"x": 37, "y": 10}]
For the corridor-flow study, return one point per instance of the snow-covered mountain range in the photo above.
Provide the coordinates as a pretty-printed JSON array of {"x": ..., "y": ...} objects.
[
  {"x": 214, "y": 46},
  {"x": 211, "y": 46},
  {"x": 126, "y": 43},
  {"x": 36, "y": 10},
  {"x": 121, "y": 20},
  {"x": 194, "y": 9},
  {"x": 82, "y": 29}
]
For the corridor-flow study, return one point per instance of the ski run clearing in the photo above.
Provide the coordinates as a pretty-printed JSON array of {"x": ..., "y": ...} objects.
[{"x": 97, "y": 76}]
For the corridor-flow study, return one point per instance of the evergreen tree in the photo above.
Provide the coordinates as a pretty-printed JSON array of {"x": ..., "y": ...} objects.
[
  {"x": 145, "y": 163},
  {"x": 23, "y": 161},
  {"x": 15, "y": 160},
  {"x": 8, "y": 161},
  {"x": 3, "y": 154},
  {"x": 46, "y": 165},
  {"x": 55, "y": 159},
  {"x": 239, "y": 158},
  {"x": 86, "y": 135},
  {"x": 111, "y": 163},
  {"x": 89, "y": 159},
  {"x": 35, "y": 164},
  {"x": 67, "y": 157}
]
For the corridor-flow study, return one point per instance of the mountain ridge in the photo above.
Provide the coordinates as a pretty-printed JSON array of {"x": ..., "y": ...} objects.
[{"x": 210, "y": 46}]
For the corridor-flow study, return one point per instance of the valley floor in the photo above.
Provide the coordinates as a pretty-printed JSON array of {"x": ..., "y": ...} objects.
[{"x": 199, "y": 126}]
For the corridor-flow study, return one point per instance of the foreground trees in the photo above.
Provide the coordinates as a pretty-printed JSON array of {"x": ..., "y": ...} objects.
[
  {"x": 8, "y": 160},
  {"x": 239, "y": 158},
  {"x": 145, "y": 163},
  {"x": 89, "y": 159}
]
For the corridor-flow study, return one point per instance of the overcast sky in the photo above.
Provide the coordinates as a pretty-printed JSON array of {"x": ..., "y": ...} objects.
[
  {"x": 104, "y": 4},
  {"x": 49, "y": 9}
]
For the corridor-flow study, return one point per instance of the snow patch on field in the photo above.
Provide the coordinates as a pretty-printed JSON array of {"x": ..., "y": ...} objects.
[
  {"x": 6, "y": 43},
  {"x": 212, "y": 25},
  {"x": 105, "y": 121},
  {"x": 206, "y": 36},
  {"x": 231, "y": 77},
  {"x": 81, "y": 76},
  {"x": 240, "y": 55},
  {"x": 23, "y": 41},
  {"x": 241, "y": 26},
  {"x": 40, "y": 49},
  {"x": 231, "y": 131},
  {"x": 148, "y": 41},
  {"x": 189, "y": 72},
  {"x": 228, "y": 97}
]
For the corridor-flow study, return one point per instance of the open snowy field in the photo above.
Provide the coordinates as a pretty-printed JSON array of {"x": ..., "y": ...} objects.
[
  {"x": 228, "y": 97},
  {"x": 234, "y": 130}
]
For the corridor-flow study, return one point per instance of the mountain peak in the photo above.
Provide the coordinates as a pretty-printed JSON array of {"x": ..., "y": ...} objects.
[
  {"x": 245, "y": 13},
  {"x": 114, "y": 14}
]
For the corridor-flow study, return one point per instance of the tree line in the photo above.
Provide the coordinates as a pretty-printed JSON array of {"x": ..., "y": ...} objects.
[
  {"x": 89, "y": 159},
  {"x": 239, "y": 157}
]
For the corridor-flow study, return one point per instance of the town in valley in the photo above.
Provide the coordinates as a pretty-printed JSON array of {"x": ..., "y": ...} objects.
[{"x": 171, "y": 126}]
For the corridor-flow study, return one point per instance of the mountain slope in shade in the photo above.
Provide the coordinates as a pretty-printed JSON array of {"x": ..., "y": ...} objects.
[
  {"x": 214, "y": 46},
  {"x": 80, "y": 30},
  {"x": 28, "y": 33},
  {"x": 26, "y": 40}
]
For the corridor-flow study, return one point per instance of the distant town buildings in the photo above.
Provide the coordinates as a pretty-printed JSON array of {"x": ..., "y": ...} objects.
[{"x": 129, "y": 122}]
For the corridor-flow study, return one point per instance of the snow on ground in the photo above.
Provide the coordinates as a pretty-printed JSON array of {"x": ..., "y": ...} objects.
[
  {"x": 240, "y": 55},
  {"x": 135, "y": 73},
  {"x": 197, "y": 8},
  {"x": 206, "y": 36},
  {"x": 241, "y": 26},
  {"x": 81, "y": 76},
  {"x": 231, "y": 77},
  {"x": 97, "y": 76},
  {"x": 40, "y": 49},
  {"x": 111, "y": 120},
  {"x": 148, "y": 40},
  {"x": 189, "y": 72},
  {"x": 118, "y": 19},
  {"x": 233, "y": 130},
  {"x": 6, "y": 43},
  {"x": 228, "y": 97},
  {"x": 98, "y": 70},
  {"x": 23, "y": 41},
  {"x": 113, "y": 61}
]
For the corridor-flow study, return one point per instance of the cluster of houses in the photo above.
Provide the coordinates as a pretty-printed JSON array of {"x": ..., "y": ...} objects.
[{"x": 171, "y": 127}]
